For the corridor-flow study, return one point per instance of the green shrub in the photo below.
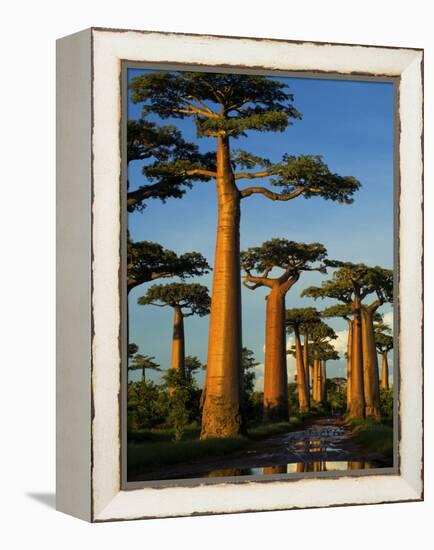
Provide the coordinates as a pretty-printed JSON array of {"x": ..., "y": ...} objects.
[{"x": 386, "y": 403}]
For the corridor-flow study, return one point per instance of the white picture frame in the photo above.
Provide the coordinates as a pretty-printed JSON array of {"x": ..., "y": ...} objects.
[{"x": 88, "y": 274}]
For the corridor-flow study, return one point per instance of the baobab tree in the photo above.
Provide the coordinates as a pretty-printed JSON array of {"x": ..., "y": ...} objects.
[
  {"x": 351, "y": 284},
  {"x": 225, "y": 107},
  {"x": 380, "y": 283},
  {"x": 186, "y": 300},
  {"x": 384, "y": 343},
  {"x": 321, "y": 350},
  {"x": 290, "y": 259},
  {"x": 298, "y": 321},
  {"x": 143, "y": 363},
  {"x": 148, "y": 261},
  {"x": 344, "y": 311}
]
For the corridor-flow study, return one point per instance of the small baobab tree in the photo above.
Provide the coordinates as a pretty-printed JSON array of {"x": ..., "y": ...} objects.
[
  {"x": 299, "y": 321},
  {"x": 384, "y": 343},
  {"x": 143, "y": 363},
  {"x": 226, "y": 107},
  {"x": 289, "y": 259},
  {"x": 321, "y": 349},
  {"x": 344, "y": 311},
  {"x": 186, "y": 300}
]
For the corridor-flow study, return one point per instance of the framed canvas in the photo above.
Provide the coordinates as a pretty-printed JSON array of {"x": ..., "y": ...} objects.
[{"x": 272, "y": 191}]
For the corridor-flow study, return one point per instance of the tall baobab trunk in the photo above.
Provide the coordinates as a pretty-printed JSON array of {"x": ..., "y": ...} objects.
[
  {"x": 316, "y": 379},
  {"x": 357, "y": 403},
  {"x": 370, "y": 365},
  {"x": 384, "y": 371},
  {"x": 306, "y": 361},
  {"x": 303, "y": 393},
  {"x": 349, "y": 361},
  {"x": 178, "y": 342},
  {"x": 221, "y": 416},
  {"x": 323, "y": 381},
  {"x": 143, "y": 375},
  {"x": 275, "y": 373}
]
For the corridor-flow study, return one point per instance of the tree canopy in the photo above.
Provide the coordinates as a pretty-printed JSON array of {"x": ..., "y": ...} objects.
[
  {"x": 289, "y": 256},
  {"x": 191, "y": 365},
  {"x": 148, "y": 261},
  {"x": 383, "y": 342},
  {"x": 350, "y": 278},
  {"x": 192, "y": 299},
  {"x": 143, "y": 363},
  {"x": 229, "y": 105},
  {"x": 146, "y": 141},
  {"x": 301, "y": 319}
]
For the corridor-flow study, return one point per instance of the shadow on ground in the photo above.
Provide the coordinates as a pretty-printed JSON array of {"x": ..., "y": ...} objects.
[{"x": 47, "y": 499}]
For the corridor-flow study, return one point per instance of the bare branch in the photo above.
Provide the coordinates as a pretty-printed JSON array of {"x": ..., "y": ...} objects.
[
  {"x": 201, "y": 172},
  {"x": 271, "y": 194},
  {"x": 252, "y": 175}
]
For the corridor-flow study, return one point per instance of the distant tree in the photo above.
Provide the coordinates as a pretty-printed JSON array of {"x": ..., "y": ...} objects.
[
  {"x": 148, "y": 261},
  {"x": 186, "y": 300},
  {"x": 351, "y": 284},
  {"x": 384, "y": 343},
  {"x": 321, "y": 350},
  {"x": 291, "y": 259},
  {"x": 225, "y": 107},
  {"x": 248, "y": 362},
  {"x": 132, "y": 349},
  {"x": 192, "y": 364},
  {"x": 143, "y": 363},
  {"x": 298, "y": 321}
]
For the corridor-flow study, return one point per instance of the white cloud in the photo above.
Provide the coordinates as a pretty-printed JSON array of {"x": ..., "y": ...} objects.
[
  {"x": 290, "y": 366},
  {"x": 388, "y": 319},
  {"x": 341, "y": 343}
]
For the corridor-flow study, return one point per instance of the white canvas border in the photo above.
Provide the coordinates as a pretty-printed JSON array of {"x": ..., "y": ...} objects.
[{"x": 109, "y": 49}]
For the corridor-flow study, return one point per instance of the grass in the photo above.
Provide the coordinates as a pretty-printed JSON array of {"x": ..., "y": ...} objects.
[
  {"x": 149, "y": 454},
  {"x": 153, "y": 448},
  {"x": 373, "y": 435}
]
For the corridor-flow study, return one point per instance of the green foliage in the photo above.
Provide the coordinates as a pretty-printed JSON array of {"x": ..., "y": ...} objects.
[
  {"x": 146, "y": 406},
  {"x": 336, "y": 389},
  {"x": 218, "y": 102},
  {"x": 383, "y": 342},
  {"x": 183, "y": 402},
  {"x": 145, "y": 141},
  {"x": 374, "y": 436},
  {"x": 248, "y": 363},
  {"x": 284, "y": 254},
  {"x": 147, "y": 261},
  {"x": 350, "y": 278},
  {"x": 301, "y": 319},
  {"x": 292, "y": 397},
  {"x": 312, "y": 175},
  {"x": 230, "y": 105},
  {"x": 191, "y": 365},
  {"x": 132, "y": 349},
  {"x": 338, "y": 310},
  {"x": 386, "y": 402},
  {"x": 143, "y": 363},
  {"x": 193, "y": 297}
]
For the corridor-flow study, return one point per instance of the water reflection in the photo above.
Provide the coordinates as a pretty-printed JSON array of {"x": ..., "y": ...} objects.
[{"x": 316, "y": 466}]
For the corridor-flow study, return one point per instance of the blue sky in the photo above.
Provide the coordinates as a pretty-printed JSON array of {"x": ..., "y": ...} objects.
[{"x": 349, "y": 123}]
